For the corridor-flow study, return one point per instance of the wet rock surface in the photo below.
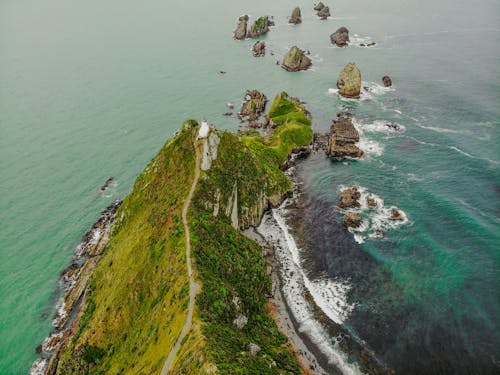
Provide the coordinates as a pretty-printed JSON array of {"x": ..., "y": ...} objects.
[
  {"x": 387, "y": 81},
  {"x": 349, "y": 198},
  {"x": 352, "y": 220}
]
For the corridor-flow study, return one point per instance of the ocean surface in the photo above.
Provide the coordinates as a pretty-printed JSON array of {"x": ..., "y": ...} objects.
[{"x": 90, "y": 90}]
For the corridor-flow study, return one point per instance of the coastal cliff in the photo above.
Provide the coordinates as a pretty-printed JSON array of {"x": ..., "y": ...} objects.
[{"x": 134, "y": 306}]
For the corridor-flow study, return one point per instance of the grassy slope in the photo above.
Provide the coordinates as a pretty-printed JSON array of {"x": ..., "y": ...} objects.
[{"x": 136, "y": 303}]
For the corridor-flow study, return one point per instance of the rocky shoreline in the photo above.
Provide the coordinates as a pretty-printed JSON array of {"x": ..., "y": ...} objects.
[{"x": 73, "y": 281}]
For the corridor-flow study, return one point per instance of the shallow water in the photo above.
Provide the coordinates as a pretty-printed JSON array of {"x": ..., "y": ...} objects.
[{"x": 93, "y": 89}]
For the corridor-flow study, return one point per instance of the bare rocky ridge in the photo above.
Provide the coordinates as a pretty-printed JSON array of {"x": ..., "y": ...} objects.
[{"x": 241, "y": 30}]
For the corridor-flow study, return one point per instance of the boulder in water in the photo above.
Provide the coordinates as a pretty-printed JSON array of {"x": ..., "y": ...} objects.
[
  {"x": 387, "y": 81},
  {"x": 295, "y": 60},
  {"x": 324, "y": 13},
  {"x": 340, "y": 37},
  {"x": 241, "y": 30},
  {"x": 349, "y": 82},
  {"x": 396, "y": 215},
  {"x": 349, "y": 198},
  {"x": 352, "y": 220},
  {"x": 259, "y": 49},
  {"x": 296, "y": 17}
]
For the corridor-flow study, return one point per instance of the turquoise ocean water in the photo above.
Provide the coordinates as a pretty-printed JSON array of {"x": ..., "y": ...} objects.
[{"x": 92, "y": 89}]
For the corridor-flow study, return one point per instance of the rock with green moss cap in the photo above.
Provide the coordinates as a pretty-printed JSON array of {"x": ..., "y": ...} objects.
[
  {"x": 295, "y": 60},
  {"x": 259, "y": 27},
  {"x": 241, "y": 30},
  {"x": 296, "y": 16},
  {"x": 349, "y": 82}
]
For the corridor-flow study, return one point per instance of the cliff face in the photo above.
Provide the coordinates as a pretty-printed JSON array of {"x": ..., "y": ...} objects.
[{"x": 135, "y": 304}]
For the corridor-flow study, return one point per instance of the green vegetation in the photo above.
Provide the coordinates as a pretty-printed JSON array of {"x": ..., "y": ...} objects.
[
  {"x": 136, "y": 302},
  {"x": 259, "y": 25}
]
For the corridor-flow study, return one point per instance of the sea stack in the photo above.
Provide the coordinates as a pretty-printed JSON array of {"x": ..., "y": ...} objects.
[
  {"x": 296, "y": 16},
  {"x": 343, "y": 136},
  {"x": 241, "y": 30},
  {"x": 295, "y": 60},
  {"x": 253, "y": 105},
  {"x": 259, "y": 27},
  {"x": 349, "y": 82},
  {"x": 340, "y": 37},
  {"x": 324, "y": 13},
  {"x": 259, "y": 49},
  {"x": 319, "y": 6}
]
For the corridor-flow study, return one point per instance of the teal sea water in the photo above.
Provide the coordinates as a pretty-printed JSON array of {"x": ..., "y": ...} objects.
[{"x": 92, "y": 89}]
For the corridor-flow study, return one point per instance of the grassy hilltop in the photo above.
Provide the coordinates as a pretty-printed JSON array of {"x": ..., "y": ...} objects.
[{"x": 136, "y": 303}]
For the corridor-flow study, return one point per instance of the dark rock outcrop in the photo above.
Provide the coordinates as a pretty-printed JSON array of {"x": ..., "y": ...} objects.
[
  {"x": 253, "y": 106},
  {"x": 349, "y": 82},
  {"x": 349, "y": 198},
  {"x": 387, "y": 81},
  {"x": 343, "y": 136},
  {"x": 319, "y": 6},
  {"x": 396, "y": 215},
  {"x": 296, "y": 17},
  {"x": 295, "y": 60},
  {"x": 352, "y": 220},
  {"x": 324, "y": 13},
  {"x": 340, "y": 37},
  {"x": 259, "y": 27},
  {"x": 241, "y": 30},
  {"x": 372, "y": 203},
  {"x": 259, "y": 49}
]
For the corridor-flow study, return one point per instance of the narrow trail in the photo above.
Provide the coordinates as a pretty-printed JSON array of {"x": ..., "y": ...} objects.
[{"x": 193, "y": 286}]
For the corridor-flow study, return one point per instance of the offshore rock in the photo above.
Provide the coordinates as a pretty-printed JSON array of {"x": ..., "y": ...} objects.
[
  {"x": 387, "y": 81},
  {"x": 295, "y": 60},
  {"x": 343, "y": 136},
  {"x": 324, "y": 13},
  {"x": 340, "y": 37},
  {"x": 241, "y": 30},
  {"x": 259, "y": 49},
  {"x": 349, "y": 82},
  {"x": 319, "y": 6},
  {"x": 253, "y": 106},
  {"x": 296, "y": 17},
  {"x": 352, "y": 220},
  {"x": 396, "y": 215},
  {"x": 349, "y": 198},
  {"x": 259, "y": 27}
]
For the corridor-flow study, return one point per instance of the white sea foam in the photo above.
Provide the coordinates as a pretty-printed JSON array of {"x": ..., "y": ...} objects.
[
  {"x": 46, "y": 346},
  {"x": 329, "y": 295},
  {"x": 460, "y": 151},
  {"x": 355, "y": 40},
  {"x": 369, "y": 91},
  {"x": 39, "y": 366},
  {"x": 378, "y": 126},
  {"x": 376, "y": 221},
  {"x": 445, "y": 130}
]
